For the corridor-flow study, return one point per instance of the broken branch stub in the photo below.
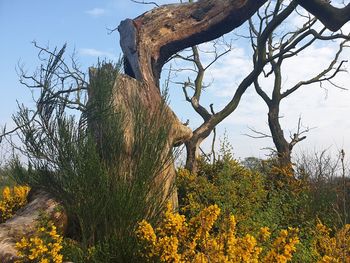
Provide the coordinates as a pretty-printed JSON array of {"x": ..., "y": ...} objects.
[{"x": 149, "y": 40}]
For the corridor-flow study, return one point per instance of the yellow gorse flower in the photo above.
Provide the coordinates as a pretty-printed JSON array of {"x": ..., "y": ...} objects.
[
  {"x": 264, "y": 233},
  {"x": 12, "y": 199},
  {"x": 331, "y": 248},
  {"x": 182, "y": 241},
  {"x": 283, "y": 247},
  {"x": 44, "y": 246}
]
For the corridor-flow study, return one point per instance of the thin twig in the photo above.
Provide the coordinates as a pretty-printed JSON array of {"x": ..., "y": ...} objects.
[{"x": 145, "y": 3}]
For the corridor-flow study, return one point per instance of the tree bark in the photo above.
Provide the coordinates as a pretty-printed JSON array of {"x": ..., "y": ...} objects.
[
  {"x": 150, "y": 39},
  {"x": 333, "y": 18},
  {"x": 281, "y": 144},
  {"x": 129, "y": 90},
  {"x": 24, "y": 222},
  {"x": 192, "y": 149}
]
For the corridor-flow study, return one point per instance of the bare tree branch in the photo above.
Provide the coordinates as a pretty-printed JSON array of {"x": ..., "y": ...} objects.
[
  {"x": 57, "y": 82},
  {"x": 145, "y": 2},
  {"x": 259, "y": 134},
  {"x": 320, "y": 77},
  {"x": 274, "y": 49},
  {"x": 333, "y": 18}
]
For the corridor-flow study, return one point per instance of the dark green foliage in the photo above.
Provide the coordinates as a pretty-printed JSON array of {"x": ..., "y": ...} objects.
[
  {"x": 228, "y": 184},
  {"x": 260, "y": 196},
  {"x": 83, "y": 164}
]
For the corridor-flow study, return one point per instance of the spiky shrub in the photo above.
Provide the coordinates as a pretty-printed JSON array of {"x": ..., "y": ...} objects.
[
  {"x": 86, "y": 170},
  {"x": 228, "y": 184},
  {"x": 331, "y": 246},
  {"x": 196, "y": 240},
  {"x": 5, "y": 177}
]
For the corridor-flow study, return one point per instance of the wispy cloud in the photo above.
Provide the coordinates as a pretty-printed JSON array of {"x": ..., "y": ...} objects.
[
  {"x": 91, "y": 52},
  {"x": 323, "y": 108},
  {"x": 96, "y": 12}
]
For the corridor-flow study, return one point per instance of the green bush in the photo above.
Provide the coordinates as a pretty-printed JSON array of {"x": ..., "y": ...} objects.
[
  {"x": 260, "y": 195},
  {"x": 234, "y": 188},
  {"x": 81, "y": 163}
]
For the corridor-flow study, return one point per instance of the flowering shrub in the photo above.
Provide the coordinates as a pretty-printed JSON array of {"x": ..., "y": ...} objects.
[
  {"x": 43, "y": 247},
  {"x": 227, "y": 184},
  {"x": 12, "y": 200},
  {"x": 330, "y": 248},
  {"x": 195, "y": 240},
  {"x": 283, "y": 246}
]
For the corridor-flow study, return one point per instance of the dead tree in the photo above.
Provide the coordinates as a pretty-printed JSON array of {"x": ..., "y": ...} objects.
[
  {"x": 281, "y": 47},
  {"x": 212, "y": 119},
  {"x": 193, "y": 144},
  {"x": 151, "y": 39},
  {"x": 202, "y": 132}
]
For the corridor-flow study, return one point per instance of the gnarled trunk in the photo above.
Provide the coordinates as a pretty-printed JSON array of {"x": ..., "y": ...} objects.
[
  {"x": 192, "y": 150},
  {"x": 199, "y": 135},
  {"x": 150, "y": 39},
  {"x": 126, "y": 92}
]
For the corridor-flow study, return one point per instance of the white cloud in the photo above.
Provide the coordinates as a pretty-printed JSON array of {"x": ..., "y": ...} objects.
[
  {"x": 326, "y": 110},
  {"x": 96, "y": 12},
  {"x": 228, "y": 72},
  {"x": 91, "y": 52}
]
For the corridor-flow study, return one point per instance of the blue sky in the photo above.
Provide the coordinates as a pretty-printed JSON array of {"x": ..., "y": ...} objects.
[{"x": 82, "y": 25}]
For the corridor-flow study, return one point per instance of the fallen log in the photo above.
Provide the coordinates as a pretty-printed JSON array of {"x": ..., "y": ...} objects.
[{"x": 24, "y": 222}]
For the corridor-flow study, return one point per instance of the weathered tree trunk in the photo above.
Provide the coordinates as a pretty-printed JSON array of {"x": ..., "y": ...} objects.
[
  {"x": 193, "y": 144},
  {"x": 24, "y": 222},
  {"x": 192, "y": 154},
  {"x": 192, "y": 149},
  {"x": 129, "y": 90},
  {"x": 281, "y": 144}
]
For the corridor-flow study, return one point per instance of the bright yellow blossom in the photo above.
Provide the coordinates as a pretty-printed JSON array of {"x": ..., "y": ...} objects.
[
  {"x": 12, "y": 200},
  {"x": 176, "y": 240},
  {"x": 265, "y": 233},
  {"x": 44, "y": 247},
  {"x": 330, "y": 248}
]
